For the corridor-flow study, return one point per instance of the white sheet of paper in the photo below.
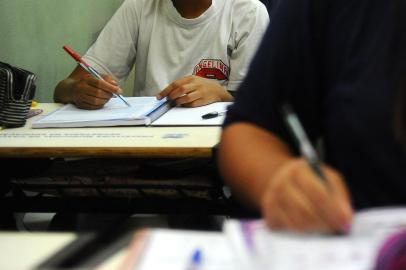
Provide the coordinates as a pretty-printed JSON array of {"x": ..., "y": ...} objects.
[
  {"x": 260, "y": 248},
  {"x": 179, "y": 116},
  {"x": 172, "y": 250}
]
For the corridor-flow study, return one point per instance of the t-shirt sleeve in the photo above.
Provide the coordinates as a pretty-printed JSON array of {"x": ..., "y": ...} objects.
[
  {"x": 248, "y": 31},
  {"x": 115, "y": 48}
]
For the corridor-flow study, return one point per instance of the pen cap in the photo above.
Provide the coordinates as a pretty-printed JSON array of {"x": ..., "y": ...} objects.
[
  {"x": 392, "y": 254},
  {"x": 74, "y": 55}
]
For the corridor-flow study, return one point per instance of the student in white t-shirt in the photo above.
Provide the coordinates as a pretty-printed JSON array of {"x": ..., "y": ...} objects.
[{"x": 194, "y": 51}]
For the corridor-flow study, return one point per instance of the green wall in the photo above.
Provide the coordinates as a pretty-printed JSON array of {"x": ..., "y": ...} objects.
[{"x": 32, "y": 33}]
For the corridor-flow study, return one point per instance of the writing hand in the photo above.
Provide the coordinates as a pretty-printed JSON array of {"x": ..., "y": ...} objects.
[
  {"x": 194, "y": 91},
  {"x": 91, "y": 93},
  {"x": 295, "y": 199}
]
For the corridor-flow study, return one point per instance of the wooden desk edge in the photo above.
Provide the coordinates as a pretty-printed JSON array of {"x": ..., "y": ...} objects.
[{"x": 62, "y": 152}]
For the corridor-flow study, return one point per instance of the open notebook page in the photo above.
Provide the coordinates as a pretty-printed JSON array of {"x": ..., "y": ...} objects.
[
  {"x": 113, "y": 110},
  {"x": 182, "y": 116},
  {"x": 259, "y": 248}
]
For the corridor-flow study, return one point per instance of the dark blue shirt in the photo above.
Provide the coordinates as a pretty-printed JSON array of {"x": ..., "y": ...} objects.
[{"x": 341, "y": 64}]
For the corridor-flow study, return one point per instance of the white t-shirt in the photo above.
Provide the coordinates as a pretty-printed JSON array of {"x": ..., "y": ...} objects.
[{"x": 164, "y": 46}]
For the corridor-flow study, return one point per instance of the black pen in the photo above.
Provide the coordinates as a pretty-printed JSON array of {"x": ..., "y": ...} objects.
[
  {"x": 305, "y": 147},
  {"x": 213, "y": 114}
]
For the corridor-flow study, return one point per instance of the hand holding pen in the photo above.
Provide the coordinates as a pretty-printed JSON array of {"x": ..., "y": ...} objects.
[
  {"x": 303, "y": 195},
  {"x": 90, "y": 90}
]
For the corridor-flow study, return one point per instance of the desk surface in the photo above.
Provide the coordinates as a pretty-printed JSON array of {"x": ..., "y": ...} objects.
[
  {"x": 27, "y": 250},
  {"x": 107, "y": 142}
]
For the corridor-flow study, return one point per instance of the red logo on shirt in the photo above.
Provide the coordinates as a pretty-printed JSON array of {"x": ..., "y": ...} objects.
[{"x": 212, "y": 69}]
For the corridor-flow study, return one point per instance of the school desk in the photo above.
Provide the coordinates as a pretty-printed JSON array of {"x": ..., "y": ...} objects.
[
  {"x": 126, "y": 143},
  {"x": 167, "y": 142},
  {"x": 26, "y": 250}
]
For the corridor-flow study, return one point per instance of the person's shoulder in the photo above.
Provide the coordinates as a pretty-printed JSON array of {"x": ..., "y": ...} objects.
[
  {"x": 141, "y": 4},
  {"x": 248, "y": 5},
  {"x": 141, "y": 8},
  {"x": 250, "y": 8}
]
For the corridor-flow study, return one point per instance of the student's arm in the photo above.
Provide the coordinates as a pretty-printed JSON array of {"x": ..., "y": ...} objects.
[
  {"x": 107, "y": 56},
  {"x": 194, "y": 91},
  {"x": 85, "y": 91},
  {"x": 261, "y": 171}
]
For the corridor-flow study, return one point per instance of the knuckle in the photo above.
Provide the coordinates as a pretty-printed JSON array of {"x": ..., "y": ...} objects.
[
  {"x": 298, "y": 170},
  {"x": 88, "y": 80},
  {"x": 293, "y": 165},
  {"x": 82, "y": 84},
  {"x": 299, "y": 164},
  {"x": 173, "y": 96},
  {"x": 334, "y": 175},
  {"x": 181, "y": 90},
  {"x": 189, "y": 99},
  {"x": 174, "y": 85},
  {"x": 98, "y": 84}
]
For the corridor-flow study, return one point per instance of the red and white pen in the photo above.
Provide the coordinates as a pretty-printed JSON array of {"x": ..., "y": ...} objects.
[{"x": 89, "y": 68}]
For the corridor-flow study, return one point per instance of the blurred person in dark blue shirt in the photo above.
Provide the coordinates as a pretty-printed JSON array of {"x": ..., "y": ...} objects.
[{"x": 341, "y": 65}]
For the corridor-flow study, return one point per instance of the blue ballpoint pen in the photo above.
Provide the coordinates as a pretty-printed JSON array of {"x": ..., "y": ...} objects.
[
  {"x": 195, "y": 260},
  {"x": 89, "y": 69}
]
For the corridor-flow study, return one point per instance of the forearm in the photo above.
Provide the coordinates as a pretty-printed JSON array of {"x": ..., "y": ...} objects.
[{"x": 248, "y": 158}]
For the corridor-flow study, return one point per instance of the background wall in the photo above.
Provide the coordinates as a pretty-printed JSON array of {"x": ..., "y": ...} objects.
[{"x": 32, "y": 33}]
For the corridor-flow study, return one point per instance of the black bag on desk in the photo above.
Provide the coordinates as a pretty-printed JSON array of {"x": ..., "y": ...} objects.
[{"x": 17, "y": 89}]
